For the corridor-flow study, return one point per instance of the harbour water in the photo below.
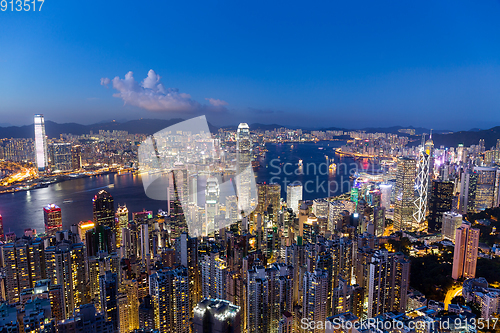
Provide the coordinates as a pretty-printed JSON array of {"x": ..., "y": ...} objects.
[{"x": 23, "y": 210}]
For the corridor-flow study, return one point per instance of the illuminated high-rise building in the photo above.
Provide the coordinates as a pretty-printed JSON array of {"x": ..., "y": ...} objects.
[
  {"x": 53, "y": 219},
  {"x": 65, "y": 265},
  {"x": 487, "y": 188},
  {"x": 187, "y": 249},
  {"x": 386, "y": 191},
  {"x": 213, "y": 276},
  {"x": 268, "y": 194},
  {"x": 422, "y": 184},
  {"x": 83, "y": 227},
  {"x": 451, "y": 222},
  {"x": 121, "y": 221},
  {"x": 109, "y": 297},
  {"x": 212, "y": 193},
  {"x": 170, "y": 294},
  {"x": 244, "y": 166},
  {"x": 216, "y": 316},
  {"x": 465, "y": 253},
  {"x": 42, "y": 160},
  {"x": 441, "y": 197},
  {"x": 76, "y": 157},
  {"x": 61, "y": 157},
  {"x": 24, "y": 264},
  {"x": 315, "y": 297},
  {"x": 104, "y": 209},
  {"x": 404, "y": 195},
  {"x": 293, "y": 196}
]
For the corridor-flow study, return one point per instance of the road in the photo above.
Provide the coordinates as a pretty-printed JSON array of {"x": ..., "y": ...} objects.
[{"x": 453, "y": 292}]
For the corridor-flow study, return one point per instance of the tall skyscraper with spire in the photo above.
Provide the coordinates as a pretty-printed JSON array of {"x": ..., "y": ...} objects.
[
  {"x": 404, "y": 194},
  {"x": 244, "y": 166},
  {"x": 41, "y": 155}
]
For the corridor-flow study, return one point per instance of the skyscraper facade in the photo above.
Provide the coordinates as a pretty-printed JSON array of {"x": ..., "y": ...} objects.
[
  {"x": 293, "y": 196},
  {"x": 42, "y": 160},
  {"x": 404, "y": 195},
  {"x": 53, "y": 219},
  {"x": 465, "y": 253},
  {"x": 104, "y": 209},
  {"x": 244, "y": 166},
  {"x": 441, "y": 197},
  {"x": 61, "y": 157}
]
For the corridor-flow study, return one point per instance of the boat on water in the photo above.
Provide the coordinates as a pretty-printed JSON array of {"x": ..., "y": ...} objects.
[
  {"x": 66, "y": 201},
  {"x": 320, "y": 148},
  {"x": 332, "y": 167},
  {"x": 300, "y": 163}
]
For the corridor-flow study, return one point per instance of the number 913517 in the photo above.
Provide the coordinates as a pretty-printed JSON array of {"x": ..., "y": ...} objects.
[{"x": 21, "y": 5}]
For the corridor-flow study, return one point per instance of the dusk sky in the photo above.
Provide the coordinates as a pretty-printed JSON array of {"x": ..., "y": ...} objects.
[{"x": 434, "y": 64}]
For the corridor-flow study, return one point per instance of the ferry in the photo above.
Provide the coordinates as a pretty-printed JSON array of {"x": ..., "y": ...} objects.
[
  {"x": 333, "y": 167},
  {"x": 300, "y": 163}
]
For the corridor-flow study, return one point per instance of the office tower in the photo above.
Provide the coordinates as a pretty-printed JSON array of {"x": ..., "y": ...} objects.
[
  {"x": 268, "y": 194},
  {"x": 145, "y": 253},
  {"x": 467, "y": 188},
  {"x": 99, "y": 239},
  {"x": 421, "y": 185},
  {"x": 244, "y": 166},
  {"x": 86, "y": 319},
  {"x": 188, "y": 257},
  {"x": 104, "y": 209},
  {"x": 213, "y": 276},
  {"x": 314, "y": 305},
  {"x": 61, "y": 157},
  {"x": 109, "y": 297},
  {"x": 2, "y": 236},
  {"x": 169, "y": 290},
  {"x": 441, "y": 198},
  {"x": 83, "y": 227},
  {"x": 320, "y": 208},
  {"x": 269, "y": 293},
  {"x": 24, "y": 264},
  {"x": 147, "y": 313},
  {"x": 465, "y": 253},
  {"x": 451, "y": 222},
  {"x": 487, "y": 188},
  {"x": 42, "y": 160},
  {"x": 76, "y": 157},
  {"x": 53, "y": 219},
  {"x": 174, "y": 202},
  {"x": 389, "y": 277},
  {"x": 386, "y": 190},
  {"x": 65, "y": 265},
  {"x": 121, "y": 221},
  {"x": 216, "y": 316},
  {"x": 293, "y": 196},
  {"x": 212, "y": 192},
  {"x": 404, "y": 195},
  {"x": 335, "y": 210}
]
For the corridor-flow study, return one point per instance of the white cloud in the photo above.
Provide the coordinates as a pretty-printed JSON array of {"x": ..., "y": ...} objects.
[
  {"x": 216, "y": 102},
  {"x": 152, "y": 95},
  {"x": 105, "y": 81}
]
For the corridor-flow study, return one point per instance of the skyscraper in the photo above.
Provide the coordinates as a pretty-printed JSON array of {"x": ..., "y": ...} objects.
[
  {"x": 422, "y": 182},
  {"x": 121, "y": 221},
  {"x": 441, "y": 197},
  {"x": 465, "y": 253},
  {"x": 216, "y": 316},
  {"x": 451, "y": 222},
  {"x": 76, "y": 157},
  {"x": 53, "y": 219},
  {"x": 244, "y": 166},
  {"x": 40, "y": 143},
  {"x": 170, "y": 294},
  {"x": 65, "y": 265},
  {"x": 385, "y": 200},
  {"x": 213, "y": 276},
  {"x": 487, "y": 188},
  {"x": 293, "y": 196},
  {"x": 104, "y": 209},
  {"x": 109, "y": 297},
  {"x": 404, "y": 195},
  {"x": 61, "y": 157},
  {"x": 268, "y": 194},
  {"x": 315, "y": 297}
]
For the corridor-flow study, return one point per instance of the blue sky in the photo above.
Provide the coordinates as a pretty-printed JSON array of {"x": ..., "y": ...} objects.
[{"x": 333, "y": 63}]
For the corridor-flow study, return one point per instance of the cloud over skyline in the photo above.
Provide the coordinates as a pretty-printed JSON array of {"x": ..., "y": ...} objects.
[{"x": 151, "y": 94}]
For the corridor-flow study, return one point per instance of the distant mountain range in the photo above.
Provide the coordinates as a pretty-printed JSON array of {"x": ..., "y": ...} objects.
[{"x": 151, "y": 126}]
